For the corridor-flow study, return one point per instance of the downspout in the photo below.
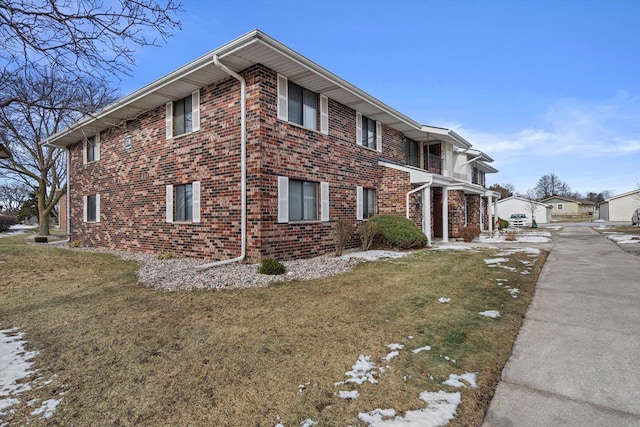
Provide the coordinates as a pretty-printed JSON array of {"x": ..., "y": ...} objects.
[
  {"x": 68, "y": 195},
  {"x": 415, "y": 190},
  {"x": 472, "y": 160},
  {"x": 243, "y": 162}
]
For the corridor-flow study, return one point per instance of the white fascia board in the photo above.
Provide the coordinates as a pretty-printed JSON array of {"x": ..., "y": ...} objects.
[{"x": 415, "y": 176}]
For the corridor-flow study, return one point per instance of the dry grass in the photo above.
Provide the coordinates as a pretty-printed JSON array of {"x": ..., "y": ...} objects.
[{"x": 127, "y": 355}]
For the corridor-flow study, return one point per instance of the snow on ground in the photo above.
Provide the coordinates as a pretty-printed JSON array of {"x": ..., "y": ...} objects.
[
  {"x": 441, "y": 408},
  {"x": 363, "y": 370},
  {"x": 418, "y": 350},
  {"x": 513, "y": 251},
  {"x": 453, "y": 248},
  {"x": 374, "y": 255},
  {"x": 624, "y": 239},
  {"x": 444, "y": 300},
  {"x": 15, "y": 366},
  {"x": 490, "y": 261},
  {"x": 353, "y": 394},
  {"x": 522, "y": 237},
  {"x": 494, "y": 314},
  {"x": 469, "y": 378}
]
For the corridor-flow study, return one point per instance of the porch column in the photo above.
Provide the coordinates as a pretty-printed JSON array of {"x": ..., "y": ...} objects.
[
  {"x": 489, "y": 214},
  {"x": 445, "y": 214},
  {"x": 426, "y": 214},
  {"x": 481, "y": 215},
  {"x": 495, "y": 209}
]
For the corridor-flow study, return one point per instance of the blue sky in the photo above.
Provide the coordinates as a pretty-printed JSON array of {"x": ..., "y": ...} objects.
[{"x": 541, "y": 86}]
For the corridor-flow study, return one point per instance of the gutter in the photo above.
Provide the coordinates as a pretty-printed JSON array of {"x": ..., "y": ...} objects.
[
  {"x": 415, "y": 190},
  {"x": 243, "y": 162}
]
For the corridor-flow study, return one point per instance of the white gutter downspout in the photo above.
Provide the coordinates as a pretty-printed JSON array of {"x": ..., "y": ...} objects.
[
  {"x": 243, "y": 155},
  {"x": 472, "y": 160},
  {"x": 424, "y": 207},
  {"x": 68, "y": 207}
]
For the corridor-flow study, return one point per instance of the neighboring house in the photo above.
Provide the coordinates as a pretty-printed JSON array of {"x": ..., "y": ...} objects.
[
  {"x": 620, "y": 207},
  {"x": 183, "y": 165},
  {"x": 521, "y": 205},
  {"x": 568, "y": 206}
]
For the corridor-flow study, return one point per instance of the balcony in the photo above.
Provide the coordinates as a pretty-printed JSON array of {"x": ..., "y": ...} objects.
[{"x": 434, "y": 163}]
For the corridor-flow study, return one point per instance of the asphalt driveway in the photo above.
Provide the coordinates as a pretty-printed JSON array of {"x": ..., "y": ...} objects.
[{"x": 576, "y": 361}]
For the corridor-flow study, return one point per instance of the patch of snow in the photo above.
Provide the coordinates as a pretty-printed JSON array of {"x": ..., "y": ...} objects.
[
  {"x": 533, "y": 239},
  {"x": 418, "y": 350},
  {"x": 349, "y": 394},
  {"x": 15, "y": 362},
  {"x": 494, "y": 314},
  {"x": 490, "y": 261},
  {"x": 623, "y": 239},
  {"x": 441, "y": 408},
  {"x": 376, "y": 416},
  {"x": 444, "y": 300},
  {"x": 395, "y": 346},
  {"x": 513, "y": 251},
  {"x": 525, "y": 272},
  {"x": 374, "y": 255},
  {"x": 410, "y": 337},
  {"x": 47, "y": 409},
  {"x": 469, "y": 377},
  {"x": 308, "y": 423},
  {"x": 506, "y": 267},
  {"x": 453, "y": 248},
  {"x": 362, "y": 371},
  {"x": 391, "y": 355}
]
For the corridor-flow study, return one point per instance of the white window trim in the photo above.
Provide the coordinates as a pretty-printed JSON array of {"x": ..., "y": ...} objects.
[
  {"x": 324, "y": 114},
  {"x": 359, "y": 203},
  {"x": 324, "y": 201},
  {"x": 169, "y": 120},
  {"x": 196, "y": 189},
  {"x": 358, "y": 128},
  {"x": 379, "y": 137},
  {"x": 283, "y": 98},
  {"x": 283, "y": 199}
]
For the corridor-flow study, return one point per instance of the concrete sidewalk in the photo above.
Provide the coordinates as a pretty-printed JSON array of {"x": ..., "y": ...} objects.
[{"x": 576, "y": 361}]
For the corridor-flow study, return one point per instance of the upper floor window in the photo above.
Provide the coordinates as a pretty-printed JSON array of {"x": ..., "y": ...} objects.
[
  {"x": 183, "y": 116},
  {"x": 300, "y": 105},
  {"x": 91, "y": 149},
  {"x": 411, "y": 153},
  {"x": 368, "y": 132}
]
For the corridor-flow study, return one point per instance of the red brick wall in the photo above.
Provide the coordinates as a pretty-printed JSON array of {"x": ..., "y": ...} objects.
[
  {"x": 473, "y": 210},
  {"x": 456, "y": 213},
  {"x": 132, "y": 182}
]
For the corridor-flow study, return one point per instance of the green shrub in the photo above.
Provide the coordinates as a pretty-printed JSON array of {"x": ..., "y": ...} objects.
[
  {"x": 342, "y": 231},
  {"x": 534, "y": 224},
  {"x": 271, "y": 266},
  {"x": 469, "y": 233},
  {"x": 41, "y": 239},
  {"x": 398, "y": 232},
  {"x": 502, "y": 223},
  {"x": 367, "y": 232}
]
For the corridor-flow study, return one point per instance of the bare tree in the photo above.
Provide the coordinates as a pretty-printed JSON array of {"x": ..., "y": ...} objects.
[
  {"x": 505, "y": 190},
  {"x": 550, "y": 185},
  {"x": 531, "y": 206},
  {"x": 12, "y": 196},
  {"x": 23, "y": 127},
  {"x": 87, "y": 40}
]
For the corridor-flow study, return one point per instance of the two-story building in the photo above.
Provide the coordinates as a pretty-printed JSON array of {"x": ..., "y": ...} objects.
[{"x": 254, "y": 151}]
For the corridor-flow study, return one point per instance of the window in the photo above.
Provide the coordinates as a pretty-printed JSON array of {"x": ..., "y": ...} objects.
[
  {"x": 560, "y": 206},
  {"x": 411, "y": 154},
  {"x": 183, "y": 202},
  {"x": 183, "y": 116},
  {"x": 299, "y": 105},
  {"x": 302, "y": 200},
  {"x": 368, "y": 132},
  {"x": 91, "y": 207},
  {"x": 91, "y": 149},
  {"x": 303, "y": 106},
  {"x": 365, "y": 203}
]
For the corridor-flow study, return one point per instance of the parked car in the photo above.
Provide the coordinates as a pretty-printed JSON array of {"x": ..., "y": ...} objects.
[
  {"x": 518, "y": 220},
  {"x": 635, "y": 218}
]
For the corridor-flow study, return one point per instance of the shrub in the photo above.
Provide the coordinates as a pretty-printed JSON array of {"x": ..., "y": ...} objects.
[
  {"x": 272, "y": 266},
  {"x": 469, "y": 233},
  {"x": 6, "y": 221},
  {"x": 74, "y": 244},
  {"x": 342, "y": 231},
  {"x": 41, "y": 239},
  {"x": 398, "y": 232},
  {"x": 502, "y": 223},
  {"x": 534, "y": 224},
  {"x": 368, "y": 230}
]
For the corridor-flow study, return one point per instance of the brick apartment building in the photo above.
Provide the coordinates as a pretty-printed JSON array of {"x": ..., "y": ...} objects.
[{"x": 184, "y": 165}]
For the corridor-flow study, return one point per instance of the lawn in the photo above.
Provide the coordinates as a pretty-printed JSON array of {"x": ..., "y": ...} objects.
[{"x": 124, "y": 354}]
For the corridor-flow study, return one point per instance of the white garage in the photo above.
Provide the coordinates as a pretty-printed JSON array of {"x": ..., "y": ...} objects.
[
  {"x": 621, "y": 207},
  {"x": 520, "y": 205}
]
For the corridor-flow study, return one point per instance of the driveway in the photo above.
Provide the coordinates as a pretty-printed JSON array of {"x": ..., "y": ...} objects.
[{"x": 576, "y": 361}]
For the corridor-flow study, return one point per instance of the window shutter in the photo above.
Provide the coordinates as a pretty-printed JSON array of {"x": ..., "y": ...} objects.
[
  {"x": 169, "y": 202},
  {"x": 195, "y": 186},
  {"x": 195, "y": 110},
  {"x": 283, "y": 199},
  {"x": 358, "y": 128},
  {"x": 283, "y": 98},
  {"x": 169, "y": 120},
  {"x": 97, "y": 142},
  {"x": 324, "y": 114},
  {"x": 97, "y": 207},
  {"x": 84, "y": 151},
  {"x": 359, "y": 203},
  {"x": 324, "y": 201},
  {"x": 379, "y": 136},
  {"x": 84, "y": 208}
]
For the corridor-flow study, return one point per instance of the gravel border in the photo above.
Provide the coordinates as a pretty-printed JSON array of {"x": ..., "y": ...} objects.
[{"x": 179, "y": 274}]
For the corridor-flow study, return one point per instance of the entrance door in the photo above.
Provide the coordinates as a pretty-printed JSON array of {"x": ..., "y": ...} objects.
[{"x": 437, "y": 214}]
